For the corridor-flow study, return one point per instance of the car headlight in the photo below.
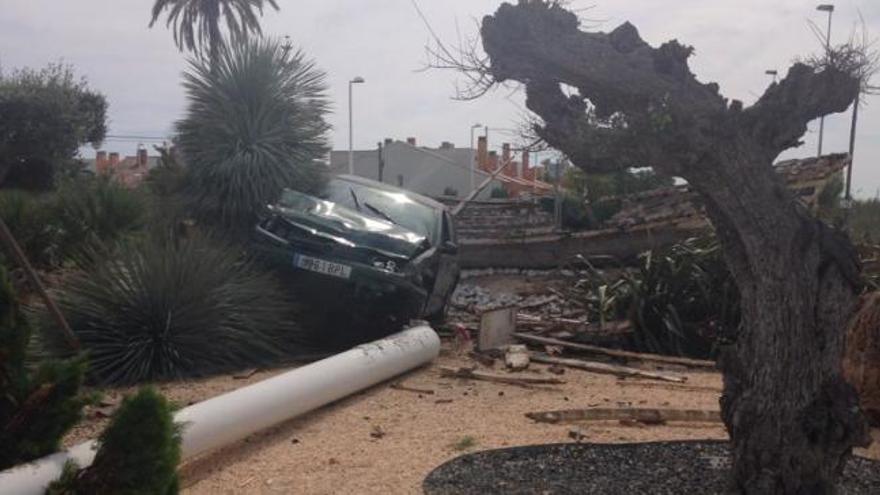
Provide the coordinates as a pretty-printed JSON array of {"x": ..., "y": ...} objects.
[{"x": 386, "y": 265}]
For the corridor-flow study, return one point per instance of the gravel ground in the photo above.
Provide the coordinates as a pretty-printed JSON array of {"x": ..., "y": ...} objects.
[
  {"x": 386, "y": 441},
  {"x": 639, "y": 468}
]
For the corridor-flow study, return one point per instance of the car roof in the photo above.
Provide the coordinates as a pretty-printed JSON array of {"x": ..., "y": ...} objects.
[{"x": 388, "y": 187}]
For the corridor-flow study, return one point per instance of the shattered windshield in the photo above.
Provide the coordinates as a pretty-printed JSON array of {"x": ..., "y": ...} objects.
[{"x": 395, "y": 207}]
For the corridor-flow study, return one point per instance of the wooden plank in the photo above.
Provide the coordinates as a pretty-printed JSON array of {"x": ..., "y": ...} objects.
[
  {"x": 523, "y": 381},
  {"x": 641, "y": 415},
  {"x": 607, "y": 369},
  {"x": 637, "y": 356}
]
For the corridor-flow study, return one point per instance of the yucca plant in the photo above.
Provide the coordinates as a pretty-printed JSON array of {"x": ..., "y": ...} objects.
[
  {"x": 254, "y": 125},
  {"x": 156, "y": 310}
]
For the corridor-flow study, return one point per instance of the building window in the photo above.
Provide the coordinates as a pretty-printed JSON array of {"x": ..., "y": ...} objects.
[{"x": 399, "y": 180}]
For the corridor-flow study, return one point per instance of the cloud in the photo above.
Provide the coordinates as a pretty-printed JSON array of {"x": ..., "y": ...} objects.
[{"x": 383, "y": 41}]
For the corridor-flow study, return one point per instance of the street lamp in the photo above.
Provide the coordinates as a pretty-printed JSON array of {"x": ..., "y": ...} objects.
[
  {"x": 356, "y": 80},
  {"x": 825, "y": 7},
  {"x": 473, "y": 158},
  {"x": 772, "y": 72}
]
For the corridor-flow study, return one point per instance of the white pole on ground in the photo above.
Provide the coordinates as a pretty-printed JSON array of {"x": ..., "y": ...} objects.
[{"x": 232, "y": 416}]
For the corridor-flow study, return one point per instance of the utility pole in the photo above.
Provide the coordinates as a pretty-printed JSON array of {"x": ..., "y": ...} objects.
[
  {"x": 356, "y": 80},
  {"x": 852, "y": 149},
  {"x": 825, "y": 7},
  {"x": 381, "y": 161},
  {"x": 473, "y": 156}
]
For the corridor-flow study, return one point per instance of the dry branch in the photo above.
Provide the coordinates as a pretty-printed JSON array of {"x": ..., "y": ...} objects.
[
  {"x": 606, "y": 369},
  {"x": 638, "y": 356},
  {"x": 522, "y": 381}
]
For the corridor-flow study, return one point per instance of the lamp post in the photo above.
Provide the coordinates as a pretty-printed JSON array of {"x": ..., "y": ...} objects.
[
  {"x": 772, "y": 72},
  {"x": 473, "y": 155},
  {"x": 356, "y": 80},
  {"x": 825, "y": 7}
]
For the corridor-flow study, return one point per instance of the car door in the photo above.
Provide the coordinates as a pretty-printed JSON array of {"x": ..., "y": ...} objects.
[{"x": 447, "y": 268}]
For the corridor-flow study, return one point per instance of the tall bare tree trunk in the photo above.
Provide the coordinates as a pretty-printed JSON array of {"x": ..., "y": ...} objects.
[{"x": 792, "y": 418}]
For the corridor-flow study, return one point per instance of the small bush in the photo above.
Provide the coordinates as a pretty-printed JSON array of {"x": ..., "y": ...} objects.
[
  {"x": 137, "y": 453},
  {"x": 29, "y": 218},
  {"x": 94, "y": 210},
  {"x": 157, "y": 310},
  {"x": 36, "y": 409},
  {"x": 864, "y": 221},
  {"x": 55, "y": 226}
]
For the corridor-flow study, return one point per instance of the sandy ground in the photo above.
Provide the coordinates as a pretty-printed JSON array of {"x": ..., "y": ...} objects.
[{"x": 386, "y": 440}]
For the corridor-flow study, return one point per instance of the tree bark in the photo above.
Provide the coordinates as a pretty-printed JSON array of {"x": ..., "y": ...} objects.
[{"x": 792, "y": 418}]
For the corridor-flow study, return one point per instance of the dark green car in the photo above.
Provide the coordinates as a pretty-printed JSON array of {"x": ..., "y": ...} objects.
[{"x": 364, "y": 252}]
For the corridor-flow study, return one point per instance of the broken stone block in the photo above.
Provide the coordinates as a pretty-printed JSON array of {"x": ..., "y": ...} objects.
[{"x": 517, "y": 357}]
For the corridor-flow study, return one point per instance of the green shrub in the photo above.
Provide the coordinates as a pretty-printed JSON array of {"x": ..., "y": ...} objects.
[
  {"x": 864, "y": 221},
  {"x": 29, "y": 218},
  {"x": 38, "y": 408},
  {"x": 92, "y": 210},
  {"x": 53, "y": 227},
  {"x": 138, "y": 453},
  {"x": 156, "y": 310},
  {"x": 681, "y": 300}
]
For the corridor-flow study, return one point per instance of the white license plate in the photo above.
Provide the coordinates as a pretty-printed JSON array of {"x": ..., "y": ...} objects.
[{"x": 321, "y": 266}]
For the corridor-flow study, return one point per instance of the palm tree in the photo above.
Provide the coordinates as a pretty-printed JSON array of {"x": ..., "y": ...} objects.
[
  {"x": 254, "y": 125},
  {"x": 197, "y": 23}
]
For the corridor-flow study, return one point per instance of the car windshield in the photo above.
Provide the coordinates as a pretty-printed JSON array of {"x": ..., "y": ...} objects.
[{"x": 396, "y": 207}]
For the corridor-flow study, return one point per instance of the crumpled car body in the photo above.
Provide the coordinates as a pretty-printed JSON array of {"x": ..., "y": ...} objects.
[{"x": 376, "y": 253}]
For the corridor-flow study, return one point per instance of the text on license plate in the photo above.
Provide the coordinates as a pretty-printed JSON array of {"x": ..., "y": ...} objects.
[{"x": 321, "y": 266}]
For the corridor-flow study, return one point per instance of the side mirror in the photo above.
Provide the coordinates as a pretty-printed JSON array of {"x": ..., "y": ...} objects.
[{"x": 449, "y": 247}]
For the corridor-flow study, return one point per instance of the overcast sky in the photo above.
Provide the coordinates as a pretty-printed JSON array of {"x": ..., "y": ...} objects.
[{"x": 383, "y": 41}]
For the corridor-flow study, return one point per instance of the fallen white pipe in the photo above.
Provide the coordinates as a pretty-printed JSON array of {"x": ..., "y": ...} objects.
[{"x": 232, "y": 416}]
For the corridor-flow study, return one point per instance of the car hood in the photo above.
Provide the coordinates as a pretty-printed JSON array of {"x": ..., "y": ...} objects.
[{"x": 349, "y": 227}]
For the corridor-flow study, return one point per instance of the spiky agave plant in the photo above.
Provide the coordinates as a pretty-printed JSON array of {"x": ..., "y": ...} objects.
[
  {"x": 253, "y": 126},
  {"x": 156, "y": 310}
]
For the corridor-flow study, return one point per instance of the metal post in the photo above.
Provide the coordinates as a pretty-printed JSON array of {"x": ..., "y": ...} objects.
[
  {"x": 473, "y": 157},
  {"x": 350, "y": 134},
  {"x": 830, "y": 9},
  {"x": 381, "y": 162},
  {"x": 852, "y": 149},
  {"x": 356, "y": 80}
]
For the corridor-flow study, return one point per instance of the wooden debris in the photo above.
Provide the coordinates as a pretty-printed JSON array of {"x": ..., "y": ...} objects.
[
  {"x": 608, "y": 369},
  {"x": 443, "y": 401},
  {"x": 644, "y": 416},
  {"x": 245, "y": 374},
  {"x": 522, "y": 381},
  {"x": 670, "y": 386},
  {"x": 400, "y": 386},
  {"x": 516, "y": 358},
  {"x": 556, "y": 369},
  {"x": 482, "y": 358},
  {"x": 638, "y": 356}
]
